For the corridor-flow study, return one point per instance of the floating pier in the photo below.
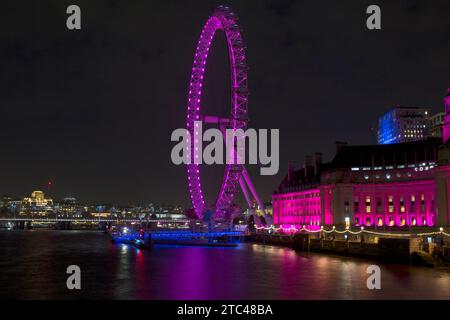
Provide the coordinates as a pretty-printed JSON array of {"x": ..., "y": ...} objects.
[{"x": 186, "y": 238}]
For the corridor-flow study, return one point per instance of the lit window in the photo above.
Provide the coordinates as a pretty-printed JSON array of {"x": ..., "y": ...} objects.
[
  {"x": 347, "y": 206},
  {"x": 402, "y": 204},
  {"x": 368, "y": 204},
  {"x": 356, "y": 204},
  {"x": 391, "y": 204}
]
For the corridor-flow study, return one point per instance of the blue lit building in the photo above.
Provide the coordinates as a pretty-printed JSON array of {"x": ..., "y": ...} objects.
[{"x": 403, "y": 124}]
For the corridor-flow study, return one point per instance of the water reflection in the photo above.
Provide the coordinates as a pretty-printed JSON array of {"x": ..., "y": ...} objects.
[{"x": 38, "y": 261}]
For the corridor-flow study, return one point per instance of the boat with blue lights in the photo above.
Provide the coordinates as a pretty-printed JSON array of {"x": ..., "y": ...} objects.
[
  {"x": 204, "y": 239},
  {"x": 145, "y": 240},
  {"x": 130, "y": 236}
]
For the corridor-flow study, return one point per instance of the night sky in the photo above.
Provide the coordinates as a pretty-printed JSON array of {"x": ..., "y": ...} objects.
[{"x": 93, "y": 110}]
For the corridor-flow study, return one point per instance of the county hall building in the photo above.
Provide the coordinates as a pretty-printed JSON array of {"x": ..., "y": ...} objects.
[{"x": 385, "y": 185}]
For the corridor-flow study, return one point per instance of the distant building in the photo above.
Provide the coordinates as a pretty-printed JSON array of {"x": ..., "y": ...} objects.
[
  {"x": 268, "y": 209},
  {"x": 9, "y": 205},
  {"x": 69, "y": 208},
  {"x": 37, "y": 204},
  {"x": 435, "y": 124},
  {"x": 403, "y": 124},
  {"x": 170, "y": 212},
  {"x": 256, "y": 210},
  {"x": 5, "y": 203},
  {"x": 97, "y": 214}
]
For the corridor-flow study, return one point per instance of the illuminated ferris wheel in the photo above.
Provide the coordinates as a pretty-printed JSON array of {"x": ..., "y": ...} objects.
[{"x": 235, "y": 175}]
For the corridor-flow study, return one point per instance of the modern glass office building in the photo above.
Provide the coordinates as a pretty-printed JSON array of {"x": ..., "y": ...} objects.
[{"x": 403, "y": 124}]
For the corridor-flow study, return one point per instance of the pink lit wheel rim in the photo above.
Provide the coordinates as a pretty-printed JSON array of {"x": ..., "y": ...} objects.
[{"x": 224, "y": 19}]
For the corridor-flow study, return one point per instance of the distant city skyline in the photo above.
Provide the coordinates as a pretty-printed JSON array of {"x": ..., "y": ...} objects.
[{"x": 81, "y": 201}]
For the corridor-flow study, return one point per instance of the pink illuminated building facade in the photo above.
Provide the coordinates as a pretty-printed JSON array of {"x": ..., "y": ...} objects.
[
  {"x": 446, "y": 125},
  {"x": 392, "y": 185}
]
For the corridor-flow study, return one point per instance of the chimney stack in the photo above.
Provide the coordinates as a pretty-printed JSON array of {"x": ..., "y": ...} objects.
[
  {"x": 291, "y": 171},
  {"x": 307, "y": 165},
  {"x": 317, "y": 162},
  {"x": 340, "y": 145}
]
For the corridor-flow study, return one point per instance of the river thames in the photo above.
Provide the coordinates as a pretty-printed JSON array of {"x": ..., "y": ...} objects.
[{"x": 33, "y": 266}]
